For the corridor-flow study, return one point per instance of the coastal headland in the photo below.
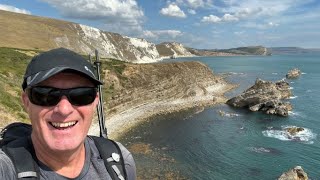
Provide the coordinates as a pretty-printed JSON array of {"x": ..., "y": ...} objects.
[{"x": 144, "y": 90}]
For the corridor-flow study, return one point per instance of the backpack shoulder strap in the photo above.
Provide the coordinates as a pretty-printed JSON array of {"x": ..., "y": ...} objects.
[
  {"x": 22, "y": 155},
  {"x": 111, "y": 154}
]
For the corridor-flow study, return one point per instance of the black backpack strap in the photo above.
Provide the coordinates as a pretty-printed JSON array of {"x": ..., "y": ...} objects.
[
  {"x": 22, "y": 155},
  {"x": 111, "y": 154}
]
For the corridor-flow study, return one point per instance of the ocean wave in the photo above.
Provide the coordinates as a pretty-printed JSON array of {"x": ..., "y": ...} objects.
[
  {"x": 293, "y": 97},
  {"x": 259, "y": 149},
  {"x": 228, "y": 114},
  {"x": 236, "y": 73},
  {"x": 275, "y": 73},
  {"x": 309, "y": 91},
  {"x": 292, "y": 82},
  {"x": 306, "y": 136},
  {"x": 303, "y": 73},
  {"x": 264, "y": 150},
  {"x": 291, "y": 88}
]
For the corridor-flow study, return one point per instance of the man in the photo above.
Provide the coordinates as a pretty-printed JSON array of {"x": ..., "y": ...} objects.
[{"x": 60, "y": 97}]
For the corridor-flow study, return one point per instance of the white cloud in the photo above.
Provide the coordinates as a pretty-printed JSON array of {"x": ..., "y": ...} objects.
[
  {"x": 13, "y": 9},
  {"x": 239, "y": 32},
  {"x": 162, "y": 34},
  {"x": 191, "y": 11},
  {"x": 195, "y": 4},
  {"x": 173, "y": 11},
  {"x": 260, "y": 25},
  {"x": 211, "y": 19},
  {"x": 119, "y": 15},
  {"x": 229, "y": 17}
]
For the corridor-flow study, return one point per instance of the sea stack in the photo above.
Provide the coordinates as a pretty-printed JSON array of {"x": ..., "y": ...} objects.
[
  {"x": 293, "y": 73},
  {"x": 296, "y": 173},
  {"x": 265, "y": 96}
]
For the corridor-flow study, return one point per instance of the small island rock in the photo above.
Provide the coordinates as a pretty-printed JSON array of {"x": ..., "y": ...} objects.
[
  {"x": 293, "y": 73},
  {"x": 265, "y": 96},
  {"x": 296, "y": 173},
  {"x": 294, "y": 130}
]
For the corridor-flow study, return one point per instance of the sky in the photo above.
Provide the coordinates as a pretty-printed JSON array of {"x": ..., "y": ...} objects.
[{"x": 203, "y": 24}]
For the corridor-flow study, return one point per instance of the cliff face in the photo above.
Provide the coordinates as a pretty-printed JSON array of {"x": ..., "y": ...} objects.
[
  {"x": 32, "y": 32},
  {"x": 173, "y": 50},
  {"x": 142, "y": 90}
]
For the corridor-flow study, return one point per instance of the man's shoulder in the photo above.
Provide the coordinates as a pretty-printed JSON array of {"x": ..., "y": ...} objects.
[
  {"x": 7, "y": 170},
  {"x": 129, "y": 163},
  {"x": 124, "y": 151}
]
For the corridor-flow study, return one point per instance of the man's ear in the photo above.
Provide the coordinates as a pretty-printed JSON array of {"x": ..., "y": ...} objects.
[
  {"x": 25, "y": 100},
  {"x": 96, "y": 101}
]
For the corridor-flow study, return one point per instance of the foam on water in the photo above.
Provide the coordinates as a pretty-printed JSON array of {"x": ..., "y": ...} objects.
[
  {"x": 291, "y": 88},
  {"x": 259, "y": 149},
  {"x": 293, "y": 97},
  {"x": 306, "y": 136}
]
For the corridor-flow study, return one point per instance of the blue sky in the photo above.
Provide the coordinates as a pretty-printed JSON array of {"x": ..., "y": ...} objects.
[{"x": 206, "y": 24}]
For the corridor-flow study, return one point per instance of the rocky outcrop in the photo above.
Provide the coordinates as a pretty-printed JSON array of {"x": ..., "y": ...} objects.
[
  {"x": 294, "y": 130},
  {"x": 293, "y": 73},
  {"x": 296, "y": 173},
  {"x": 265, "y": 96}
]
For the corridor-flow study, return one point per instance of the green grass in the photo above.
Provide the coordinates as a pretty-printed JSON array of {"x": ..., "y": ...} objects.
[{"x": 12, "y": 69}]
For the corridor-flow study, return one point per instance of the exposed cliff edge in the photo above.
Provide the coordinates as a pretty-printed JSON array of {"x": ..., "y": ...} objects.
[
  {"x": 33, "y": 32},
  {"x": 141, "y": 91}
]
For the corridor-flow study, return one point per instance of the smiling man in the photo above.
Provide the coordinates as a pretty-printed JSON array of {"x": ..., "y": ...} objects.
[{"x": 60, "y": 96}]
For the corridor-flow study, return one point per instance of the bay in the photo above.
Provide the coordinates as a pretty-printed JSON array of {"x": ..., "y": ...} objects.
[{"x": 242, "y": 145}]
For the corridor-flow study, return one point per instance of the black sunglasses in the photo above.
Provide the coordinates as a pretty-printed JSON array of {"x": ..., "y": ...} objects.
[{"x": 50, "y": 96}]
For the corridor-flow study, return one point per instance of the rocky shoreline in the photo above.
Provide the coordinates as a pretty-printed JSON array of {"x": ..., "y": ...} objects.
[
  {"x": 122, "y": 122},
  {"x": 143, "y": 91}
]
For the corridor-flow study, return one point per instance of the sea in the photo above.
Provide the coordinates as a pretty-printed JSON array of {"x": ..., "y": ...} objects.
[{"x": 203, "y": 144}]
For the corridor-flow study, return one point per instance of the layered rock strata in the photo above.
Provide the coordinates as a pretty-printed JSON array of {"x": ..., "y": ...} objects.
[
  {"x": 265, "y": 96},
  {"x": 149, "y": 89}
]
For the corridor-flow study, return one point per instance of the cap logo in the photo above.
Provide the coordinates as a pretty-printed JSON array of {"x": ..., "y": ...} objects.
[
  {"x": 87, "y": 69},
  {"x": 30, "y": 79}
]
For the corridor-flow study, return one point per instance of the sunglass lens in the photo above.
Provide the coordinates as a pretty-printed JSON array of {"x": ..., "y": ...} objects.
[
  {"x": 82, "y": 96},
  {"x": 44, "y": 96}
]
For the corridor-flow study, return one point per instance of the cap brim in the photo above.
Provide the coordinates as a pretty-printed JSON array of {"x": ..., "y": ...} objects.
[{"x": 44, "y": 75}]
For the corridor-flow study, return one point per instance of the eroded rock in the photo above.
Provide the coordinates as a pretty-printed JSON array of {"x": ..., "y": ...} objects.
[
  {"x": 293, "y": 73},
  {"x": 296, "y": 173},
  {"x": 294, "y": 130},
  {"x": 265, "y": 96}
]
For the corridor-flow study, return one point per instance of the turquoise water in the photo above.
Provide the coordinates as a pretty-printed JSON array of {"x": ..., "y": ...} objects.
[{"x": 244, "y": 145}]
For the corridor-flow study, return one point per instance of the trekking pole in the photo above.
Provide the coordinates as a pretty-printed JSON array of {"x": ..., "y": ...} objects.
[{"x": 103, "y": 130}]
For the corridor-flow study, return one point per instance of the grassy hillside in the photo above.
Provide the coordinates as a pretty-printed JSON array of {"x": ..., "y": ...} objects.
[
  {"x": 12, "y": 67},
  {"x": 31, "y": 32}
]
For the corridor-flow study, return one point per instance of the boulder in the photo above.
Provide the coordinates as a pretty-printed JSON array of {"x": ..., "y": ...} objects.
[
  {"x": 296, "y": 173},
  {"x": 294, "y": 130},
  {"x": 293, "y": 73},
  {"x": 265, "y": 96}
]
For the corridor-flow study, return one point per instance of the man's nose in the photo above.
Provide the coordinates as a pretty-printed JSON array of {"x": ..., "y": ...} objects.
[{"x": 64, "y": 107}]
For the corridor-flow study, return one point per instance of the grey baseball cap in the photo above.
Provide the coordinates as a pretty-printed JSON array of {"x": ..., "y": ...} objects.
[{"x": 47, "y": 64}]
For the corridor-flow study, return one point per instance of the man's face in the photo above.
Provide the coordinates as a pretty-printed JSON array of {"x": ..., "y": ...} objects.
[{"x": 75, "y": 120}]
